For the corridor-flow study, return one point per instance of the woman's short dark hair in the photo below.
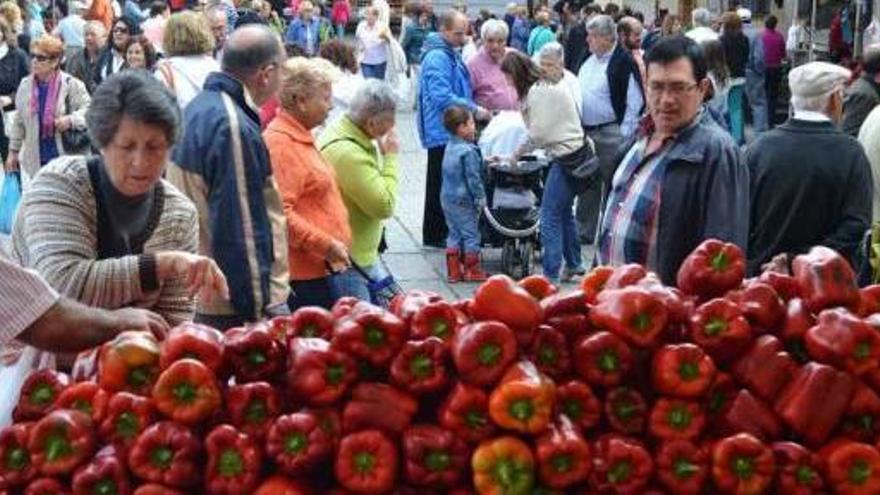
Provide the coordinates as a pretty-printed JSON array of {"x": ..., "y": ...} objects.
[
  {"x": 522, "y": 71},
  {"x": 340, "y": 54},
  {"x": 672, "y": 48},
  {"x": 456, "y": 116},
  {"x": 150, "y": 56},
  {"x": 136, "y": 95}
]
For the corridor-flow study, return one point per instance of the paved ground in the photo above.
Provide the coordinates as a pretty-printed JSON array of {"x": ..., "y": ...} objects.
[{"x": 413, "y": 265}]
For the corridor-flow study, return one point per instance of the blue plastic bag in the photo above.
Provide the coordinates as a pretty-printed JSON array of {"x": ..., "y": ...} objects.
[{"x": 10, "y": 196}]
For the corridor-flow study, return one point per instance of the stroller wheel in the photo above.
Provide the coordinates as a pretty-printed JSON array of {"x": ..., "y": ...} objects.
[
  {"x": 509, "y": 258},
  {"x": 526, "y": 255}
]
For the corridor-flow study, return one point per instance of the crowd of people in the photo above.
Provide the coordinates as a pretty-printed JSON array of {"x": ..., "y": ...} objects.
[{"x": 226, "y": 162}]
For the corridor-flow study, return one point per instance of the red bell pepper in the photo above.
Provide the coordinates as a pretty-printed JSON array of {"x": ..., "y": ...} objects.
[
  {"x": 344, "y": 306},
  {"x": 279, "y": 485},
  {"x": 745, "y": 413},
  {"x": 719, "y": 327},
  {"x": 626, "y": 410},
  {"x": 406, "y": 305},
  {"x": 760, "y": 305},
  {"x": 61, "y": 441},
  {"x": 16, "y": 467},
  {"x": 466, "y": 413},
  {"x": 602, "y": 359},
  {"x": 539, "y": 286},
  {"x": 373, "y": 335},
  {"x": 742, "y": 464},
  {"x": 594, "y": 282},
  {"x": 366, "y": 462},
  {"x": 814, "y": 401},
  {"x": 187, "y": 392},
  {"x": 720, "y": 394},
  {"x": 420, "y": 366},
  {"x": 524, "y": 400},
  {"x": 576, "y": 400},
  {"x": 712, "y": 269},
  {"x": 252, "y": 407},
  {"x": 851, "y": 468},
  {"x": 46, "y": 486},
  {"x": 105, "y": 474},
  {"x": 844, "y": 340},
  {"x": 825, "y": 279},
  {"x": 155, "y": 489},
  {"x": 482, "y": 351},
  {"x": 311, "y": 321},
  {"x": 676, "y": 419},
  {"x": 130, "y": 363},
  {"x": 127, "y": 416},
  {"x": 625, "y": 275},
  {"x": 500, "y": 299},
  {"x": 797, "y": 470},
  {"x": 503, "y": 465},
  {"x": 192, "y": 340},
  {"x": 682, "y": 467},
  {"x": 564, "y": 457},
  {"x": 633, "y": 313},
  {"x": 330, "y": 422},
  {"x": 370, "y": 408},
  {"x": 798, "y": 320},
  {"x": 86, "y": 397},
  {"x": 563, "y": 303},
  {"x": 298, "y": 444},
  {"x": 234, "y": 462},
  {"x": 252, "y": 353},
  {"x": 434, "y": 319},
  {"x": 166, "y": 453},
  {"x": 38, "y": 394},
  {"x": 621, "y": 466},
  {"x": 785, "y": 285},
  {"x": 682, "y": 370},
  {"x": 316, "y": 374},
  {"x": 765, "y": 368},
  {"x": 869, "y": 300},
  {"x": 861, "y": 422},
  {"x": 550, "y": 353},
  {"x": 573, "y": 325},
  {"x": 433, "y": 457}
]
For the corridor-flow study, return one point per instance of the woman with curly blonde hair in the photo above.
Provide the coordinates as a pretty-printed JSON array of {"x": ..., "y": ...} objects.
[{"x": 189, "y": 46}]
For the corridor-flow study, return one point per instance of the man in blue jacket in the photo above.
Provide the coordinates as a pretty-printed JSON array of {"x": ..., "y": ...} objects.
[
  {"x": 304, "y": 31},
  {"x": 443, "y": 82},
  {"x": 222, "y": 164}
]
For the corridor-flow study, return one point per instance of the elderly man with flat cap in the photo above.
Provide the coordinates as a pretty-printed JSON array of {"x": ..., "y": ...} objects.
[{"x": 811, "y": 182}]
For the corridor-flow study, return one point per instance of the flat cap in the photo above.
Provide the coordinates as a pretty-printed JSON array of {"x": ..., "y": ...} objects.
[{"x": 816, "y": 79}]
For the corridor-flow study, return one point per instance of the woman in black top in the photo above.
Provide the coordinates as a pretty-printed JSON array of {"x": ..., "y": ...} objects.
[
  {"x": 736, "y": 54},
  {"x": 14, "y": 67}
]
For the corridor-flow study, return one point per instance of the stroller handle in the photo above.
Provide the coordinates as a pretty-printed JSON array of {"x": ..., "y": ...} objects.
[{"x": 506, "y": 231}]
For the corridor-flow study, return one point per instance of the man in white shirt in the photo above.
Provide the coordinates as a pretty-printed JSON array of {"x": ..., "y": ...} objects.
[
  {"x": 71, "y": 29},
  {"x": 702, "y": 20}
]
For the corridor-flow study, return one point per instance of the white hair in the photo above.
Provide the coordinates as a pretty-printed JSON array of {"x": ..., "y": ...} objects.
[
  {"x": 551, "y": 51},
  {"x": 494, "y": 28},
  {"x": 701, "y": 17},
  {"x": 603, "y": 25},
  {"x": 373, "y": 98},
  {"x": 811, "y": 103}
]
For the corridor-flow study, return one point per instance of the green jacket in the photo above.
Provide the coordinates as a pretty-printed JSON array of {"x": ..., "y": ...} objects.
[{"x": 368, "y": 183}]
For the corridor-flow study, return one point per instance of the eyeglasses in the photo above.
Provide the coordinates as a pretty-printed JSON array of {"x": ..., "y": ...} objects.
[
  {"x": 122, "y": 30},
  {"x": 674, "y": 89},
  {"x": 39, "y": 57}
]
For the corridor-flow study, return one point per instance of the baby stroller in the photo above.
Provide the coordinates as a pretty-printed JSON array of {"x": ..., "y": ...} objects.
[{"x": 510, "y": 220}]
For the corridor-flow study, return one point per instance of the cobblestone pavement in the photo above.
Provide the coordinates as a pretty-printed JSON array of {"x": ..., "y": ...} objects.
[{"x": 413, "y": 265}]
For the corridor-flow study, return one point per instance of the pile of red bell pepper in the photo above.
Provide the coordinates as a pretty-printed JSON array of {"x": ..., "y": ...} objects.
[{"x": 719, "y": 385}]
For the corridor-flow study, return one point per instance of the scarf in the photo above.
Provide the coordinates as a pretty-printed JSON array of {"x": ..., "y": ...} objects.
[{"x": 47, "y": 120}]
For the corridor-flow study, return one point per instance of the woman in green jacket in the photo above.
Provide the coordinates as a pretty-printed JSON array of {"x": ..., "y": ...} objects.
[{"x": 541, "y": 34}]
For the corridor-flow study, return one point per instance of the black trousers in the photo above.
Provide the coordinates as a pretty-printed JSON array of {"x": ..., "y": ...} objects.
[
  {"x": 772, "y": 80},
  {"x": 434, "y": 225},
  {"x": 315, "y": 292}
]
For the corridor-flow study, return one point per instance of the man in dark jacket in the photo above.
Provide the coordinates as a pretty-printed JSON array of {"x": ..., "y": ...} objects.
[
  {"x": 222, "y": 164},
  {"x": 864, "y": 94},
  {"x": 681, "y": 179},
  {"x": 811, "y": 183},
  {"x": 576, "y": 48}
]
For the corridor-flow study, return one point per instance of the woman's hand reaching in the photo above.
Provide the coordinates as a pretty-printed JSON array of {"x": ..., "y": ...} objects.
[{"x": 202, "y": 275}]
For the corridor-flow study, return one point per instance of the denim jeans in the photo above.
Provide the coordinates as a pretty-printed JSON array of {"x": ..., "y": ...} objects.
[
  {"x": 374, "y": 71},
  {"x": 351, "y": 283},
  {"x": 559, "y": 232},
  {"x": 463, "y": 220}
]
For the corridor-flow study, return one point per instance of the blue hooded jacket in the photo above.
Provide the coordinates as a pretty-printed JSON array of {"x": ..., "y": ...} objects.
[{"x": 444, "y": 82}]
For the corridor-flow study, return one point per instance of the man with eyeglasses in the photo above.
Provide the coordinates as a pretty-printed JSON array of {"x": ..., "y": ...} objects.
[{"x": 681, "y": 179}]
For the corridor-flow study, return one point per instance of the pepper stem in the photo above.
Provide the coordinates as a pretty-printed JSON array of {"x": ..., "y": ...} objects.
[
  {"x": 561, "y": 463},
  {"x": 689, "y": 371},
  {"x": 547, "y": 355},
  {"x": 364, "y": 462},
  {"x": 743, "y": 467},
  {"x": 421, "y": 366},
  {"x": 295, "y": 443},
  {"x": 42, "y": 395},
  {"x": 624, "y": 410},
  {"x": 489, "y": 354},
  {"x": 507, "y": 473},
  {"x": 334, "y": 374},
  {"x": 374, "y": 337},
  {"x": 256, "y": 357},
  {"x": 862, "y": 351},
  {"x": 608, "y": 361},
  {"x": 715, "y": 326},
  {"x": 859, "y": 472},
  {"x": 230, "y": 464},
  {"x": 521, "y": 409},
  {"x": 83, "y": 406},
  {"x": 309, "y": 330},
  {"x": 619, "y": 472},
  {"x": 439, "y": 328},
  {"x": 805, "y": 475},
  {"x": 641, "y": 322},
  {"x": 572, "y": 409},
  {"x": 57, "y": 446},
  {"x": 138, "y": 377},
  {"x": 684, "y": 469},
  {"x": 184, "y": 392},
  {"x": 105, "y": 487},
  {"x": 162, "y": 457},
  {"x": 256, "y": 411},
  {"x": 475, "y": 419},
  {"x": 17, "y": 459},
  {"x": 719, "y": 261},
  {"x": 438, "y": 460},
  {"x": 127, "y": 425},
  {"x": 679, "y": 418}
]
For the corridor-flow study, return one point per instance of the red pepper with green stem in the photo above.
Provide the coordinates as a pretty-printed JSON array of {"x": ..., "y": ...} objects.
[
  {"x": 682, "y": 467},
  {"x": 503, "y": 466},
  {"x": 576, "y": 400},
  {"x": 252, "y": 407},
  {"x": 420, "y": 366},
  {"x": 106, "y": 474},
  {"x": 166, "y": 453},
  {"x": 797, "y": 470},
  {"x": 46, "y": 486},
  {"x": 602, "y": 359},
  {"x": 433, "y": 457},
  {"x": 742, "y": 464},
  {"x": 500, "y": 299},
  {"x": 60, "y": 442},
  {"x": 851, "y": 468},
  {"x": 192, "y": 340},
  {"x": 310, "y": 322},
  {"x": 626, "y": 410},
  {"x": 370, "y": 407},
  {"x": 187, "y": 392},
  {"x": 38, "y": 394},
  {"x": 845, "y": 341},
  {"x": 252, "y": 353},
  {"x": 712, "y": 269},
  {"x": 482, "y": 352},
  {"x": 564, "y": 457},
  {"x": 633, "y": 313},
  {"x": 621, "y": 465},
  {"x": 682, "y": 370},
  {"x": 550, "y": 352},
  {"x": 466, "y": 413},
  {"x": 127, "y": 416},
  {"x": 318, "y": 375},
  {"x": 366, "y": 462},
  {"x": 16, "y": 466},
  {"x": 525, "y": 399},
  {"x": 861, "y": 422},
  {"x": 373, "y": 335},
  {"x": 86, "y": 397},
  {"x": 435, "y": 319},
  {"x": 234, "y": 462},
  {"x": 130, "y": 363},
  {"x": 720, "y": 329},
  {"x": 676, "y": 419},
  {"x": 825, "y": 279},
  {"x": 765, "y": 368},
  {"x": 298, "y": 444}
]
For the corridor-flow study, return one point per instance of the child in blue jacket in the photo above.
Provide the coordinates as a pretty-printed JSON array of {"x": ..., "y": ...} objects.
[{"x": 463, "y": 196}]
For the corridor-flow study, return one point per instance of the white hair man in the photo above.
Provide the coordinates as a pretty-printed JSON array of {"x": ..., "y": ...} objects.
[
  {"x": 491, "y": 89},
  {"x": 808, "y": 166},
  {"x": 702, "y": 31}
]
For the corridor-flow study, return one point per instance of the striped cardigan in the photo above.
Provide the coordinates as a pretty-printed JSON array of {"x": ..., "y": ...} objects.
[{"x": 55, "y": 233}]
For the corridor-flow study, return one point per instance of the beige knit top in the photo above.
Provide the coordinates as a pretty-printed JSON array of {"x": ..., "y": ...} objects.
[{"x": 55, "y": 233}]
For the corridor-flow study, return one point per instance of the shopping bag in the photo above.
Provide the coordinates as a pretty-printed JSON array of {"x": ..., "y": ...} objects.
[{"x": 10, "y": 196}]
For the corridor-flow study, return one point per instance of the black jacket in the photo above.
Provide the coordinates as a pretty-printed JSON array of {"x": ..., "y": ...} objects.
[
  {"x": 861, "y": 97},
  {"x": 576, "y": 49},
  {"x": 620, "y": 68},
  {"x": 736, "y": 53},
  {"x": 811, "y": 184}
]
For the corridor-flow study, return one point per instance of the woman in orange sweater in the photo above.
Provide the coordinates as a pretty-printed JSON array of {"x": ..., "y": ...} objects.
[
  {"x": 318, "y": 231},
  {"x": 102, "y": 11}
]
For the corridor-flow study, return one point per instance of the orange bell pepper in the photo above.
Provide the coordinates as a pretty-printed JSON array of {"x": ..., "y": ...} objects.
[
  {"x": 129, "y": 362},
  {"x": 524, "y": 400},
  {"x": 503, "y": 466},
  {"x": 187, "y": 392}
]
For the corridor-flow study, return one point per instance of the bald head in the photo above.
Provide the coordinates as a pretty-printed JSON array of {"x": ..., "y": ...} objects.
[
  {"x": 249, "y": 49},
  {"x": 453, "y": 27}
]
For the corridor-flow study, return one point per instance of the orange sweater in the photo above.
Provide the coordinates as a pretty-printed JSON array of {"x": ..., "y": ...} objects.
[
  {"x": 312, "y": 201},
  {"x": 102, "y": 11}
]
